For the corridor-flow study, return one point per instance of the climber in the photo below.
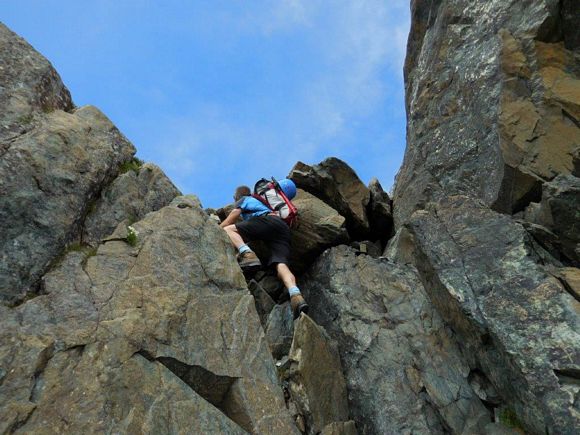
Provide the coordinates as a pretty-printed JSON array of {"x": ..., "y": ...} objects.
[{"x": 262, "y": 223}]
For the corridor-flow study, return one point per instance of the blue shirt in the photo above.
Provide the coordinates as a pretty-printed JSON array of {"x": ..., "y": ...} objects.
[{"x": 251, "y": 207}]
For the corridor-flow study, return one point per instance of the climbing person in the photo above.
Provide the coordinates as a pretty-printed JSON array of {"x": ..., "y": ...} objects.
[{"x": 267, "y": 216}]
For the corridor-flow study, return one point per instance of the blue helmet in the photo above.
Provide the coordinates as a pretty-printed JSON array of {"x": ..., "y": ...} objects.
[{"x": 288, "y": 187}]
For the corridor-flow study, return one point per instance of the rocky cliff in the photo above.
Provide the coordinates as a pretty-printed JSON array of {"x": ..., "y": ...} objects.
[
  {"x": 123, "y": 310},
  {"x": 487, "y": 202}
]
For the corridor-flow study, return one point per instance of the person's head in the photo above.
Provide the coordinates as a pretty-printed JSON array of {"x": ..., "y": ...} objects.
[{"x": 242, "y": 191}]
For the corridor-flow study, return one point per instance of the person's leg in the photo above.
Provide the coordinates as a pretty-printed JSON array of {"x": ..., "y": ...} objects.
[
  {"x": 234, "y": 236},
  {"x": 285, "y": 275},
  {"x": 247, "y": 258},
  {"x": 297, "y": 302}
]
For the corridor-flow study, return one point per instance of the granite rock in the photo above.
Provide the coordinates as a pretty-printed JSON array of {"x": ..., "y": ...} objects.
[
  {"x": 335, "y": 183},
  {"x": 280, "y": 330},
  {"x": 404, "y": 370},
  {"x": 516, "y": 323},
  {"x": 380, "y": 213},
  {"x": 48, "y": 178},
  {"x": 129, "y": 197},
  {"x": 315, "y": 376},
  {"x": 30, "y": 87},
  {"x": 144, "y": 336},
  {"x": 492, "y": 94},
  {"x": 319, "y": 228}
]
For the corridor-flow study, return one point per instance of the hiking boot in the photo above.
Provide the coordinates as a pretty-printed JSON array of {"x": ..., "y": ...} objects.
[
  {"x": 249, "y": 261},
  {"x": 298, "y": 305}
]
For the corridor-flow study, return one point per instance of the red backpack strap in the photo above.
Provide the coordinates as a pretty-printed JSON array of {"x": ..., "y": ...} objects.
[{"x": 292, "y": 218}]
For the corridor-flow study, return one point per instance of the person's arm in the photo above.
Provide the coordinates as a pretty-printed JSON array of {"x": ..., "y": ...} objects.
[{"x": 232, "y": 217}]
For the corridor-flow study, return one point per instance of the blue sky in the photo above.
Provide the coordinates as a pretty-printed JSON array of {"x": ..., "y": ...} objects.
[{"x": 220, "y": 93}]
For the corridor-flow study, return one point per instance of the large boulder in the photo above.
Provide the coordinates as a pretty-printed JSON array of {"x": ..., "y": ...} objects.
[
  {"x": 492, "y": 96},
  {"x": 30, "y": 86},
  {"x": 515, "y": 322},
  {"x": 335, "y": 183},
  {"x": 48, "y": 178},
  {"x": 404, "y": 371},
  {"x": 320, "y": 227},
  {"x": 54, "y": 160},
  {"x": 154, "y": 333}
]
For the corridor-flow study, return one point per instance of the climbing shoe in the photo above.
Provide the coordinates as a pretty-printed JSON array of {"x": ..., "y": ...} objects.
[
  {"x": 249, "y": 261},
  {"x": 298, "y": 305}
]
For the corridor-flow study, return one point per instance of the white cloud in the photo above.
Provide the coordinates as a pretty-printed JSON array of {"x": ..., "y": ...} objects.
[{"x": 363, "y": 42}]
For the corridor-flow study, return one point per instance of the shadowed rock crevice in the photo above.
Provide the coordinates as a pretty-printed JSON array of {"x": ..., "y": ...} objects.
[
  {"x": 211, "y": 387},
  {"x": 569, "y": 376},
  {"x": 216, "y": 389}
]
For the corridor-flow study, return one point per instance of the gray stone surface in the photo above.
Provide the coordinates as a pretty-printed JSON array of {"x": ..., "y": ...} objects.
[
  {"x": 320, "y": 227},
  {"x": 142, "y": 338},
  {"x": 517, "y": 324},
  {"x": 559, "y": 211},
  {"x": 492, "y": 101},
  {"x": 315, "y": 376},
  {"x": 335, "y": 183},
  {"x": 404, "y": 371},
  {"x": 53, "y": 160},
  {"x": 401, "y": 248},
  {"x": 263, "y": 301},
  {"x": 48, "y": 178},
  {"x": 342, "y": 428},
  {"x": 29, "y": 87},
  {"x": 129, "y": 198},
  {"x": 379, "y": 212},
  {"x": 280, "y": 330}
]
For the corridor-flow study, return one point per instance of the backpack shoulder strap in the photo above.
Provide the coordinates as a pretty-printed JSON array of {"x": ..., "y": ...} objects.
[{"x": 261, "y": 199}]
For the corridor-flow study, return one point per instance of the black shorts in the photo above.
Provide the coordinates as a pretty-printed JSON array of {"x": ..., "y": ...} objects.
[{"x": 272, "y": 230}]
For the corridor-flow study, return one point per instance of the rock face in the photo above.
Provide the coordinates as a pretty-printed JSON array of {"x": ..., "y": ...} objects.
[
  {"x": 559, "y": 212},
  {"x": 466, "y": 324},
  {"x": 516, "y": 323},
  {"x": 119, "y": 341},
  {"x": 48, "y": 176},
  {"x": 280, "y": 330},
  {"x": 335, "y": 183},
  {"x": 129, "y": 197},
  {"x": 57, "y": 169},
  {"x": 53, "y": 160},
  {"x": 380, "y": 212},
  {"x": 316, "y": 381},
  {"x": 30, "y": 86},
  {"x": 403, "y": 368},
  {"x": 492, "y": 94},
  {"x": 320, "y": 227}
]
